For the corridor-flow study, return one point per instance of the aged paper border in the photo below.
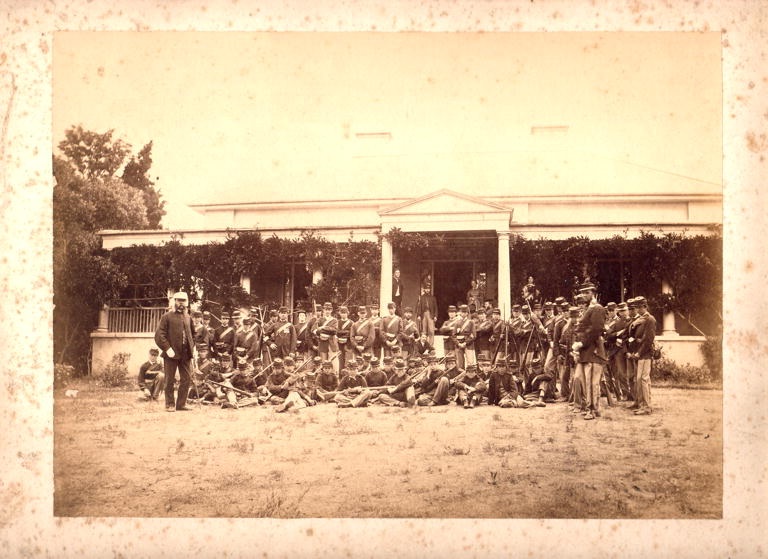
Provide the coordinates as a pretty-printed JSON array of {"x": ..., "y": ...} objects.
[{"x": 27, "y": 525}]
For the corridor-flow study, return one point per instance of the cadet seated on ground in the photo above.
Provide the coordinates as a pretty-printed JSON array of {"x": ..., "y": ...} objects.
[
  {"x": 509, "y": 395},
  {"x": 151, "y": 377},
  {"x": 353, "y": 390},
  {"x": 470, "y": 388}
]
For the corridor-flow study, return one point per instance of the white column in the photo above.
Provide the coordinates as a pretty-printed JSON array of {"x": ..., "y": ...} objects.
[
  {"x": 245, "y": 283},
  {"x": 103, "y": 318},
  {"x": 170, "y": 293},
  {"x": 668, "y": 327},
  {"x": 504, "y": 288},
  {"x": 385, "y": 292}
]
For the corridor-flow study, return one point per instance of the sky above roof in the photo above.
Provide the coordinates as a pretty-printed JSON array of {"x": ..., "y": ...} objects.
[{"x": 242, "y": 117}]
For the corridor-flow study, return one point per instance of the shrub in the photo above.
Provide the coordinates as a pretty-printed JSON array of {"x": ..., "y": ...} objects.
[
  {"x": 115, "y": 373},
  {"x": 666, "y": 370},
  {"x": 712, "y": 350},
  {"x": 62, "y": 375}
]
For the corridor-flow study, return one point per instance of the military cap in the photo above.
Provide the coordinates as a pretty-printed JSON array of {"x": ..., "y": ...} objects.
[
  {"x": 181, "y": 296},
  {"x": 282, "y": 310},
  {"x": 621, "y": 307},
  {"x": 247, "y": 320},
  {"x": 450, "y": 357},
  {"x": 343, "y": 309},
  {"x": 580, "y": 299},
  {"x": 632, "y": 303},
  {"x": 549, "y": 305},
  {"x": 328, "y": 306},
  {"x": 254, "y": 311},
  {"x": 375, "y": 305},
  {"x": 559, "y": 300},
  {"x": 197, "y": 314},
  {"x": 240, "y": 350},
  {"x": 257, "y": 361},
  {"x": 431, "y": 358},
  {"x": 219, "y": 346},
  {"x": 374, "y": 361},
  {"x": 277, "y": 363},
  {"x": 318, "y": 307},
  {"x": 199, "y": 346},
  {"x": 388, "y": 359},
  {"x": 610, "y": 306},
  {"x": 236, "y": 314},
  {"x": 496, "y": 310},
  {"x": 414, "y": 360},
  {"x": 352, "y": 364},
  {"x": 395, "y": 349},
  {"x": 587, "y": 286},
  {"x": 273, "y": 312},
  {"x": 501, "y": 365},
  {"x": 242, "y": 360},
  {"x": 366, "y": 357},
  {"x": 408, "y": 309},
  {"x": 537, "y": 306},
  {"x": 224, "y": 316},
  {"x": 526, "y": 309},
  {"x": 316, "y": 360},
  {"x": 300, "y": 311},
  {"x": 573, "y": 312},
  {"x": 288, "y": 360},
  {"x": 327, "y": 364},
  {"x": 399, "y": 364},
  {"x": 515, "y": 307},
  {"x": 565, "y": 305},
  {"x": 362, "y": 308},
  {"x": 206, "y": 314},
  {"x": 451, "y": 308},
  {"x": 483, "y": 359},
  {"x": 464, "y": 308},
  {"x": 154, "y": 351},
  {"x": 471, "y": 367},
  {"x": 224, "y": 356},
  {"x": 641, "y": 301}
]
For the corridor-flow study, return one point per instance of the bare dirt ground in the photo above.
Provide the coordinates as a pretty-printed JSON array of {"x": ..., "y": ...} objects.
[{"x": 117, "y": 456}]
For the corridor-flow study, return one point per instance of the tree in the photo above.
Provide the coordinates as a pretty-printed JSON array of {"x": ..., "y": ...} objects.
[
  {"x": 136, "y": 174},
  {"x": 84, "y": 278}
]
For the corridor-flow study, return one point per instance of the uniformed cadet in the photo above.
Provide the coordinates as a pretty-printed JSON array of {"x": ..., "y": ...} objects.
[
  {"x": 353, "y": 389},
  {"x": 483, "y": 333},
  {"x": 327, "y": 383},
  {"x": 629, "y": 347},
  {"x": 313, "y": 340},
  {"x": 199, "y": 331},
  {"x": 409, "y": 333},
  {"x": 151, "y": 376},
  {"x": 432, "y": 389},
  {"x": 325, "y": 333},
  {"x": 548, "y": 353},
  {"x": 211, "y": 329},
  {"x": 470, "y": 388},
  {"x": 343, "y": 337},
  {"x": 276, "y": 386},
  {"x": 237, "y": 323},
  {"x": 509, "y": 392},
  {"x": 224, "y": 339},
  {"x": 447, "y": 330},
  {"x": 452, "y": 371},
  {"x": 515, "y": 332},
  {"x": 363, "y": 333},
  {"x": 248, "y": 339},
  {"x": 570, "y": 387},
  {"x": 222, "y": 375},
  {"x": 267, "y": 338},
  {"x": 283, "y": 338},
  {"x": 590, "y": 346},
  {"x": 561, "y": 319},
  {"x": 464, "y": 338},
  {"x": 617, "y": 354},
  {"x": 376, "y": 321},
  {"x": 296, "y": 397},
  {"x": 376, "y": 376},
  {"x": 610, "y": 381},
  {"x": 390, "y": 327},
  {"x": 642, "y": 354},
  {"x": 400, "y": 390},
  {"x": 498, "y": 332}
]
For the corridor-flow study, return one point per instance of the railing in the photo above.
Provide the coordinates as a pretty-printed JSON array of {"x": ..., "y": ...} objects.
[{"x": 134, "y": 320}]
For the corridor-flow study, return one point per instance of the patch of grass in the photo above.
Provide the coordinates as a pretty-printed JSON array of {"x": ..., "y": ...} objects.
[
  {"x": 411, "y": 442},
  {"x": 456, "y": 451},
  {"x": 243, "y": 446},
  {"x": 275, "y": 475}
]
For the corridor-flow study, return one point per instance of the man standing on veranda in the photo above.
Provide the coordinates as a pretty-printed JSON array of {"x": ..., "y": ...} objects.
[{"x": 174, "y": 337}]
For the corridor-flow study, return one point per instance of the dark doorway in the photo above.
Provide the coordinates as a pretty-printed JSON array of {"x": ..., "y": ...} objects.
[{"x": 451, "y": 282}]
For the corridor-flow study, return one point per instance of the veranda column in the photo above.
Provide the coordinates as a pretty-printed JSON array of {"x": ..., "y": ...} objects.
[
  {"x": 505, "y": 302},
  {"x": 245, "y": 283},
  {"x": 385, "y": 292},
  {"x": 668, "y": 327}
]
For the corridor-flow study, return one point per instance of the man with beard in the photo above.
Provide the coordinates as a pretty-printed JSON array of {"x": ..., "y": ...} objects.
[{"x": 175, "y": 339}]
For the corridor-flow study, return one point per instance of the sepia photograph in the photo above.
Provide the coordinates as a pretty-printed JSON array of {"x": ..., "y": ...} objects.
[{"x": 388, "y": 275}]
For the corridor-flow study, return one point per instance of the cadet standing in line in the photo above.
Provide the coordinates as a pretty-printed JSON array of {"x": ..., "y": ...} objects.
[
  {"x": 591, "y": 349},
  {"x": 390, "y": 327},
  {"x": 343, "y": 337},
  {"x": 642, "y": 354},
  {"x": 409, "y": 333},
  {"x": 363, "y": 332}
]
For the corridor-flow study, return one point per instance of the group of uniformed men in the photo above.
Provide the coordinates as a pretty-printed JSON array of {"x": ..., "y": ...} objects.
[{"x": 557, "y": 351}]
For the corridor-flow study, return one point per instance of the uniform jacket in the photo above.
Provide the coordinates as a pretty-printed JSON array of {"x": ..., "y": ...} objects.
[
  {"x": 612, "y": 334},
  {"x": 225, "y": 335},
  {"x": 409, "y": 333},
  {"x": 284, "y": 337},
  {"x": 174, "y": 327},
  {"x": 148, "y": 371},
  {"x": 645, "y": 333},
  {"x": 390, "y": 330},
  {"x": 325, "y": 333},
  {"x": 344, "y": 332},
  {"x": 363, "y": 333},
  {"x": 589, "y": 331},
  {"x": 464, "y": 332}
]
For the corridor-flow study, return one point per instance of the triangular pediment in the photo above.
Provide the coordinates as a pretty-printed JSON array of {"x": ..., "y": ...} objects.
[{"x": 444, "y": 202}]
